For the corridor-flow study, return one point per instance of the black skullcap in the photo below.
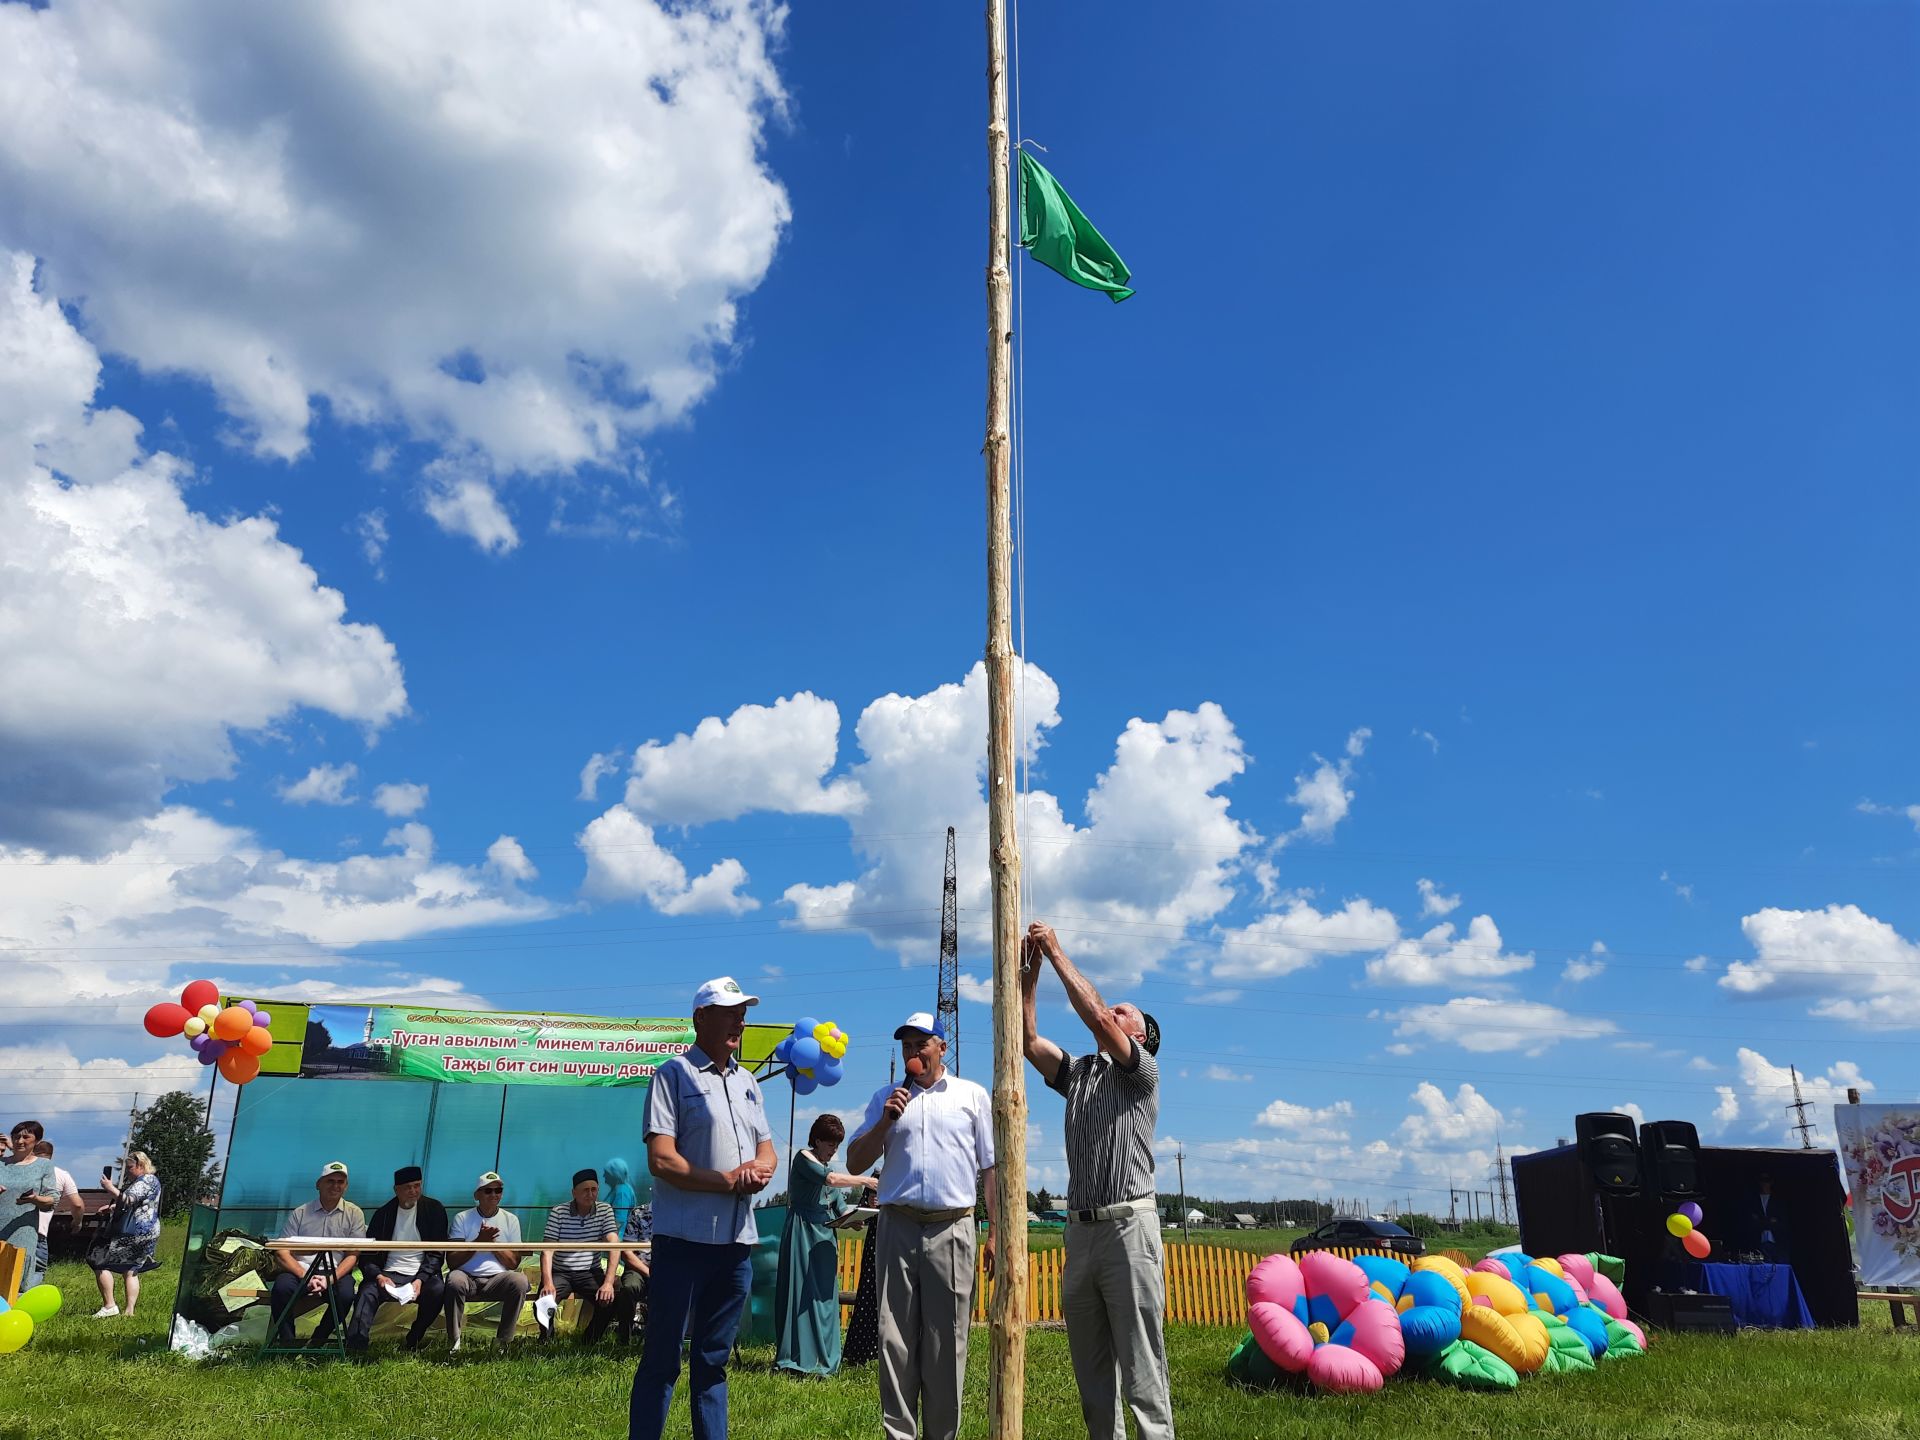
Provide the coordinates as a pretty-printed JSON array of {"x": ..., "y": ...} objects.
[
  {"x": 1152, "y": 1042},
  {"x": 587, "y": 1174},
  {"x": 406, "y": 1175}
]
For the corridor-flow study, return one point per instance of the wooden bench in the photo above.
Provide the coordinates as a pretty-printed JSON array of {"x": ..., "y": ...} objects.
[{"x": 1896, "y": 1301}]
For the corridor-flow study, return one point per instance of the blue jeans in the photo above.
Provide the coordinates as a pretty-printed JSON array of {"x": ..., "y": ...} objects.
[{"x": 698, "y": 1291}]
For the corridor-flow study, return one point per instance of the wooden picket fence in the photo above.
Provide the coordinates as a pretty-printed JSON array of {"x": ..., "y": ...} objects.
[{"x": 1206, "y": 1284}]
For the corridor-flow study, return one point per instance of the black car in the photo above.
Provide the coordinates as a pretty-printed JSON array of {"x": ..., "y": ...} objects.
[{"x": 1360, "y": 1235}]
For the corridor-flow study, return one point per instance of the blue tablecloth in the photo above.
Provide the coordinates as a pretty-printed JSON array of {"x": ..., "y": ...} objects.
[{"x": 1765, "y": 1295}]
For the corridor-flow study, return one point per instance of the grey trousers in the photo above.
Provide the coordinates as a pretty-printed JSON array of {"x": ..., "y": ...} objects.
[
  {"x": 1115, "y": 1303},
  {"x": 509, "y": 1287},
  {"x": 926, "y": 1305}
]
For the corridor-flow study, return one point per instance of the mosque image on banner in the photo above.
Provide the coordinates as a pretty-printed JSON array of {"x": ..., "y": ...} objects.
[{"x": 1880, "y": 1146}]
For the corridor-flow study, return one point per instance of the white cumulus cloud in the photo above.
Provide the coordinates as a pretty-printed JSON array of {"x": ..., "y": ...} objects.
[
  {"x": 1439, "y": 957},
  {"x": 140, "y": 634},
  {"x": 1156, "y": 853},
  {"x": 761, "y": 757},
  {"x": 1853, "y": 966},
  {"x": 322, "y": 785},
  {"x": 1486, "y": 1026},
  {"x": 1299, "y": 935},
  {"x": 402, "y": 799},
  {"x": 1305, "y": 1122},
  {"x": 626, "y": 862},
  {"x": 1585, "y": 967},
  {"x": 1435, "y": 902},
  {"x": 521, "y": 229}
]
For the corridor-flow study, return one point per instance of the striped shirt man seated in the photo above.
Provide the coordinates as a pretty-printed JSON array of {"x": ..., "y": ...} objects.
[{"x": 585, "y": 1273}]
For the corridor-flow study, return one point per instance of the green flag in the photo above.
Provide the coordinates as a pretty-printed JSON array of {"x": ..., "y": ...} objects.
[{"x": 1061, "y": 238}]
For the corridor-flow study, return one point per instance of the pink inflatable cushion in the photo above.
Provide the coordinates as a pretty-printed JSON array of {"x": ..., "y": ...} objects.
[{"x": 1364, "y": 1344}]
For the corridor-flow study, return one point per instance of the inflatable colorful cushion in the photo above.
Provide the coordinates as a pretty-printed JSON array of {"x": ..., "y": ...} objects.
[{"x": 1319, "y": 1316}]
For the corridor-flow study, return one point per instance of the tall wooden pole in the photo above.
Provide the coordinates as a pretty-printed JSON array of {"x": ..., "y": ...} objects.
[{"x": 1007, "y": 1382}]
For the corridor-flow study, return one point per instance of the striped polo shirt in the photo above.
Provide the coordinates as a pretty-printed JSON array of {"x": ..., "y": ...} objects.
[
  {"x": 564, "y": 1224},
  {"x": 1111, "y": 1112}
]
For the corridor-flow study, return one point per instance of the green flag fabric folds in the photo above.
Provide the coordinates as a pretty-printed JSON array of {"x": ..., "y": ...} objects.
[{"x": 1061, "y": 238}]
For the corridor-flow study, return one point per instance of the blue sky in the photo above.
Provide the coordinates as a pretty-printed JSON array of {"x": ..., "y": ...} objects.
[{"x": 1499, "y": 481}]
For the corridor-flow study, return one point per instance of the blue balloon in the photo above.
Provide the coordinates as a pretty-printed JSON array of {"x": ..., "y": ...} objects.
[
  {"x": 805, "y": 1054},
  {"x": 805, "y": 1084},
  {"x": 804, "y": 1026},
  {"x": 781, "y": 1050},
  {"x": 828, "y": 1071},
  {"x": 4, "y": 1306}
]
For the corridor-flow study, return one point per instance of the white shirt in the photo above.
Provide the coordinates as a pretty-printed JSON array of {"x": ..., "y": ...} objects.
[
  {"x": 466, "y": 1226},
  {"x": 345, "y": 1221},
  {"x": 936, "y": 1150},
  {"x": 69, "y": 1194},
  {"x": 406, "y": 1226}
]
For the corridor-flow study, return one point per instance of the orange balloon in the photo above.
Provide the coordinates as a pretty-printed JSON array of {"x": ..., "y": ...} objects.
[
  {"x": 238, "y": 1066},
  {"x": 231, "y": 1023},
  {"x": 1698, "y": 1246},
  {"x": 257, "y": 1041}
]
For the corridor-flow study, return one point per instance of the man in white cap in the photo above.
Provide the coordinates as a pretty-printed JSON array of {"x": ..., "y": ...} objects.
[
  {"x": 331, "y": 1216},
  {"x": 936, "y": 1134},
  {"x": 710, "y": 1152},
  {"x": 487, "y": 1274}
]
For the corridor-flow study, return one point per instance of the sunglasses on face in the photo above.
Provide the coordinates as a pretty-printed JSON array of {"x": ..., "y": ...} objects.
[{"x": 493, "y": 1190}]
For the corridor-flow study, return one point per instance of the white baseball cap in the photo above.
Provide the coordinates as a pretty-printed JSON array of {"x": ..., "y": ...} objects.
[
  {"x": 921, "y": 1022},
  {"x": 722, "y": 991},
  {"x": 332, "y": 1167},
  {"x": 485, "y": 1180}
]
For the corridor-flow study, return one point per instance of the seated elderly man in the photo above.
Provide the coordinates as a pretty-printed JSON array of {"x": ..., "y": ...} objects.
[
  {"x": 487, "y": 1274},
  {"x": 402, "y": 1277},
  {"x": 328, "y": 1216},
  {"x": 586, "y": 1273}
]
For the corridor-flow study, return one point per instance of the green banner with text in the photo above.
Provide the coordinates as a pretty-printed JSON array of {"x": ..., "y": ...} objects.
[{"x": 485, "y": 1047}]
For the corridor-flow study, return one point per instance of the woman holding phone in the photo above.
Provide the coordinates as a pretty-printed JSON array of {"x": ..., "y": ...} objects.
[{"x": 132, "y": 1233}]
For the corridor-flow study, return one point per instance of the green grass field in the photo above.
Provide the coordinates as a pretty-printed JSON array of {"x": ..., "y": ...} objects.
[{"x": 113, "y": 1380}]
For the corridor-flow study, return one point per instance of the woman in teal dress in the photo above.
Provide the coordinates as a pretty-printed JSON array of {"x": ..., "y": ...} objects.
[{"x": 806, "y": 1296}]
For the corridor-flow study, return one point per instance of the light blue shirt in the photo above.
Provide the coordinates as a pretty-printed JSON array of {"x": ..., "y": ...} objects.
[{"x": 717, "y": 1121}]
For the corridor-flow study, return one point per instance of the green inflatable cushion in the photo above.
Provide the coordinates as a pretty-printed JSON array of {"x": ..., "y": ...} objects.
[
  {"x": 1249, "y": 1365},
  {"x": 1471, "y": 1367}
]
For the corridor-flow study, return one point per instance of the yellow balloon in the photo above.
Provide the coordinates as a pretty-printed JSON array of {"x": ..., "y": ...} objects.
[
  {"x": 195, "y": 1026},
  {"x": 16, "y": 1328},
  {"x": 1679, "y": 1226},
  {"x": 208, "y": 1013}
]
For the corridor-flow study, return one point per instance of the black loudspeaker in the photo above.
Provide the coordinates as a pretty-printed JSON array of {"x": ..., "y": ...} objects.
[
  {"x": 1609, "y": 1151},
  {"x": 1670, "y": 1150},
  {"x": 1669, "y": 1311}
]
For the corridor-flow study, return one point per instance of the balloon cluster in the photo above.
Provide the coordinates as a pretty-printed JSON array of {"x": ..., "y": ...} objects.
[
  {"x": 35, "y": 1307},
  {"x": 1681, "y": 1225},
  {"x": 233, "y": 1038},
  {"x": 812, "y": 1054}
]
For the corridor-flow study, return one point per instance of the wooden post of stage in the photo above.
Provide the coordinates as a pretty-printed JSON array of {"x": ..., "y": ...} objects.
[{"x": 1007, "y": 1378}]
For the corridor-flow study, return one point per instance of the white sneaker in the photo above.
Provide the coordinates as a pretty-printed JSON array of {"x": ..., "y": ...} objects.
[
  {"x": 454, "y": 1348},
  {"x": 106, "y": 1312}
]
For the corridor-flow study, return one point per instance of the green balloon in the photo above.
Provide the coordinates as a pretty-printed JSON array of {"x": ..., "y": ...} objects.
[
  {"x": 16, "y": 1328},
  {"x": 42, "y": 1302}
]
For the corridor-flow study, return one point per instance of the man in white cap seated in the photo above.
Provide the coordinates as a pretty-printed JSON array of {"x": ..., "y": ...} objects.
[
  {"x": 935, "y": 1133},
  {"x": 486, "y": 1274},
  {"x": 710, "y": 1152},
  {"x": 332, "y": 1216}
]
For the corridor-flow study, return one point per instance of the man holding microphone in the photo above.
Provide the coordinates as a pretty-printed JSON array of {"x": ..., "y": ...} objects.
[
  {"x": 1115, "y": 1298},
  {"x": 936, "y": 1134}
]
